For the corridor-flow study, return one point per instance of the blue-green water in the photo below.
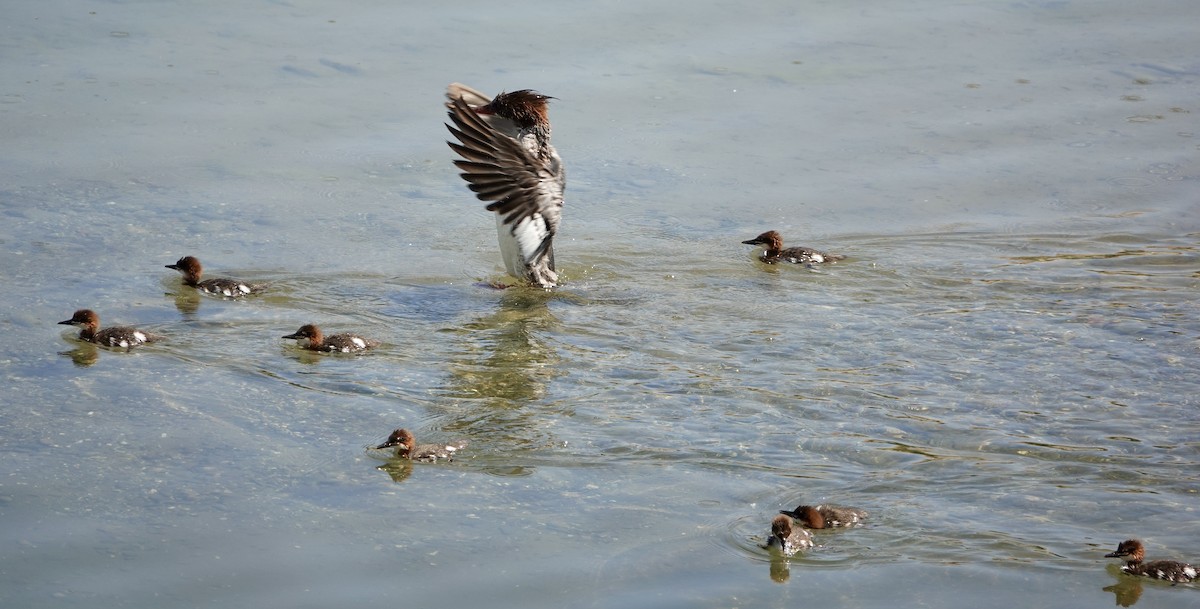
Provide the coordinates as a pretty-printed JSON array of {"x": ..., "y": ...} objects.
[{"x": 1003, "y": 371}]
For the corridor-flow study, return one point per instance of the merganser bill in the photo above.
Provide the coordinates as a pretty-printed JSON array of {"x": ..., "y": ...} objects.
[
  {"x": 121, "y": 336},
  {"x": 826, "y": 516},
  {"x": 220, "y": 286},
  {"x": 407, "y": 448},
  {"x": 1170, "y": 570},
  {"x": 507, "y": 159},
  {"x": 786, "y": 538},
  {"x": 310, "y": 337},
  {"x": 773, "y": 251}
]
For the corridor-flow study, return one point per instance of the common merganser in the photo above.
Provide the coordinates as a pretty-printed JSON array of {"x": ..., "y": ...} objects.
[
  {"x": 1170, "y": 570},
  {"x": 507, "y": 159},
  {"x": 120, "y": 336},
  {"x": 773, "y": 251},
  {"x": 407, "y": 448},
  {"x": 220, "y": 286},
  {"x": 310, "y": 337},
  {"x": 826, "y": 516},
  {"x": 786, "y": 538}
]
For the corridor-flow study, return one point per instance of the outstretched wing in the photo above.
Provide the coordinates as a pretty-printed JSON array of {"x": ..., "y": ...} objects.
[{"x": 524, "y": 189}]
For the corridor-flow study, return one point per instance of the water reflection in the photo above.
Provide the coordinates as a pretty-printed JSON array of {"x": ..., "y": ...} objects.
[
  {"x": 398, "y": 469},
  {"x": 401, "y": 468},
  {"x": 84, "y": 355},
  {"x": 309, "y": 357},
  {"x": 780, "y": 570},
  {"x": 187, "y": 302},
  {"x": 1126, "y": 591},
  {"x": 503, "y": 359},
  {"x": 499, "y": 368}
]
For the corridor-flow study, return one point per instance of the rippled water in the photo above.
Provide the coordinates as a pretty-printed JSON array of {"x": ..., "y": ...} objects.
[{"x": 1002, "y": 372}]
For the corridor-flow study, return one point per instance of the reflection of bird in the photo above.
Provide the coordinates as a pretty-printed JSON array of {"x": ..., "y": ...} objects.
[
  {"x": 407, "y": 448},
  {"x": 221, "y": 286},
  {"x": 788, "y": 539},
  {"x": 773, "y": 251},
  {"x": 397, "y": 469},
  {"x": 507, "y": 159},
  {"x": 1169, "y": 570},
  {"x": 826, "y": 516},
  {"x": 780, "y": 572},
  {"x": 124, "y": 337},
  {"x": 1126, "y": 592},
  {"x": 310, "y": 337}
]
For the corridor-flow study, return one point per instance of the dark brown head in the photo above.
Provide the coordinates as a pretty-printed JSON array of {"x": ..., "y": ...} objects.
[
  {"x": 771, "y": 240},
  {"x": 400, "y": 438},
  {"x": 85, "y": 318},
  {"x": 781, "y": 527},
  {"x": 1131, "y": 548},
  {"x": 189, "y": 266},
  {"x": 526, "y": 108},
  {"x": 308, "y": 331}
]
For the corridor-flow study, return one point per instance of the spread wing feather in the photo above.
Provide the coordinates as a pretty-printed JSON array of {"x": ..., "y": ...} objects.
[{"x": 524, "y": 189}]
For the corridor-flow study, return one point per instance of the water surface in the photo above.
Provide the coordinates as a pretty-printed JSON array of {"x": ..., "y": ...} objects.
[{"x": 1002, "y": 371}]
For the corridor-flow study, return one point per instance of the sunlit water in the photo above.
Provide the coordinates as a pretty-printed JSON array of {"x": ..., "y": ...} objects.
[{"x": 1003, "y": 372}]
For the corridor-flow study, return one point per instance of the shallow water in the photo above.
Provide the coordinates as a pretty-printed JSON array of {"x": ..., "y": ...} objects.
[{"x": 1002, "y": 372}]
